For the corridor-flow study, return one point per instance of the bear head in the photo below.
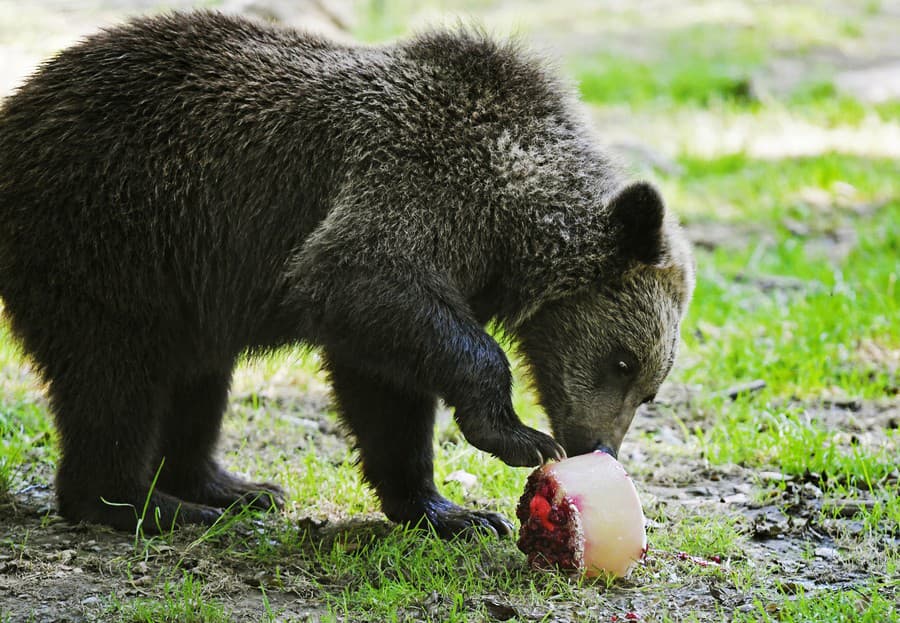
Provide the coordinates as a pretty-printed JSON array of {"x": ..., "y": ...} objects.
[{"x": 598, "y": 353}]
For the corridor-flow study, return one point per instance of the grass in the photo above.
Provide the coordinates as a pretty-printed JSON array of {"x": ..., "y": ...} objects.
[
  {"x": 809, "y": 335},
  {"x": 865, "y": 605},
  {"x": 26, "y": 445},
  {"x": 820, "y": 191},
  {"x": 797, "y": 286},
  {"x": 179, "y": 602},
  {"x": 694, "y": 66},
  {"x": 395, "y": 576},
  {"x": 719, "y": 536},
  {"x": 794, "y": 442},
  {"x": 26, "y": 433}
]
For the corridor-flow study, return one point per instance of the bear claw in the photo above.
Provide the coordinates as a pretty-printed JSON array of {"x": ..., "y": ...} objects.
[
  {"x": 529, "y": 448},
  {"x": 513, "y": 443},
  {"x": 450, "y": 521},
  {"x": 221, "y": 489}
]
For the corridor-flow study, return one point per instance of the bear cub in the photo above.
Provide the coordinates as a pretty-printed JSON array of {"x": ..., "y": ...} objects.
[{"x": 183, "y": 189}]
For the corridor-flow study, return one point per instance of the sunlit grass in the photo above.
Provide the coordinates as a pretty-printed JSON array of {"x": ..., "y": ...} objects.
[
  {"x": 183, "y": 601},
  {"x": 398, "y": 575},
  {"x": 865, "y": 605},
  {"x": 707, "y": 537},
  {"x": 793, "y": 441},
  {"x": 694, "y": 66},
  {"x": 27, "y": 441},
  {"x": 804, "y": 336},
  {"x": 818, "y": 191},
  {"x": 323, "y": 487}
]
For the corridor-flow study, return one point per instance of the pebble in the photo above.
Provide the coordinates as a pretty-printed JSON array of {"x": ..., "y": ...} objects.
[
  {"x": 829, "y": 553},
  {"x": 465, "y": 479},
  {"x": 773, "y": 477}
]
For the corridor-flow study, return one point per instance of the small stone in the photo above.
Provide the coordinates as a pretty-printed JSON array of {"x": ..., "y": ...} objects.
[
  {"x": 828, "y": 553},
  {"x": 812, "y": 490},
  {"x": 464, "y": 478},
  {"x": 736, "y": 498},
  {"x": 499, "y": 610}
]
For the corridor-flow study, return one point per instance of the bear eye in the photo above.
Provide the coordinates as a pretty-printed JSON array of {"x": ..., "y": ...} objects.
[{"x": 620, "y": 364}]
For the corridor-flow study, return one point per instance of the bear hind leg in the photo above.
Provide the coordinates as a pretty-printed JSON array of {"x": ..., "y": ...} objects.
[
  {"x": 108, "y": 411},
  {"x": 190, "y": 431}
]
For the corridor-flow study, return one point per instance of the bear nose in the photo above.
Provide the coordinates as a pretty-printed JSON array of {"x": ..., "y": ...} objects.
[{"x": 601, "y": 447}]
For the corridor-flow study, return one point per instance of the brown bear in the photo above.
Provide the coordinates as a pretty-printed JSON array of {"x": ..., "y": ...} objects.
[{"x": 184, "y": 189}]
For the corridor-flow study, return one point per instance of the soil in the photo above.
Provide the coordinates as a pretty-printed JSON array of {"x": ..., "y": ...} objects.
[{"x": 51, "y": 570}]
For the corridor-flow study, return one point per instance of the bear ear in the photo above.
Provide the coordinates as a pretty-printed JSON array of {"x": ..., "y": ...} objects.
[{"x": 637, "y": 213}]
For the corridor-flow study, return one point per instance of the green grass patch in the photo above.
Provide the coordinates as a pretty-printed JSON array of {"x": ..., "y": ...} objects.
[
  {"x": 889, "y": 110},
  {"x": 26, "y": 433},
  {"x": 696, "y": 66},
  {"x": 793, "y": 441},
  {"x": 26, "y": 444},
  {"x": 703, "y": 536},
  {"x": 409, "y": 575},
  {"x": 374, "y": 572},
  {"x": 871, "y": 604},
  {"x": 885, "y": 513},
  {"x": 736, "y": 188},
  {"x": 329, "y": 487},
  {"x": 726, "y": 67},
  {"x": 787, "y": 309},
  {"x": 180, "y": 602},
  {"x": 819, "y": 100}
]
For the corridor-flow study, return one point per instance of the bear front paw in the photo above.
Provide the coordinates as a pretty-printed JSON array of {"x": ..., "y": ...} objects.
[
  {"x": 516, "y": 445},
  {"x": 447, "y": 519},
  {"x": 527, "y": 447}
]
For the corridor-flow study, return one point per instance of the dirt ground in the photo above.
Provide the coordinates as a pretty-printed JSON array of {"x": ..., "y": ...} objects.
[{"x": 53, "y": 571}]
